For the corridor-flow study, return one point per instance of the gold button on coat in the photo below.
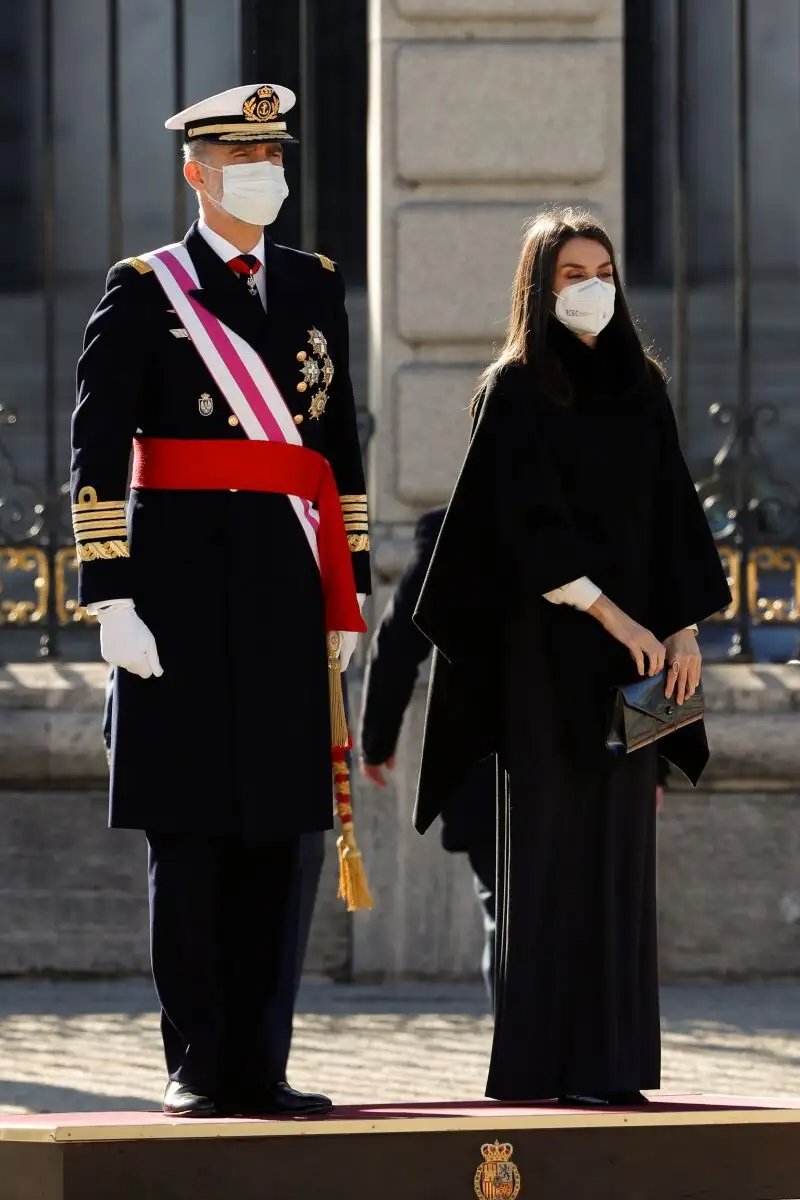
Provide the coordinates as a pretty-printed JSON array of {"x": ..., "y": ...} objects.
[
  {"x": 233, "y": 420},
  {"x": 301, "y": 356},
  {"x": 301, "y": 387},
  {"x": 298, "y": 419}
]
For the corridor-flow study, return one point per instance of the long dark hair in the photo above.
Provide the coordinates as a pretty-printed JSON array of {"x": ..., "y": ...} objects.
[{"x": 532, "y": 300}]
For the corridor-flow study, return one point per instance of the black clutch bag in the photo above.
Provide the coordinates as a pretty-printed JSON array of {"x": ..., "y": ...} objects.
[{"x": 641, "y": 714}]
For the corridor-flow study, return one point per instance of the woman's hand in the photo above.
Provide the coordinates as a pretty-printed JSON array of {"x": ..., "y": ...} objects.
[
  {"x": 643, "y": 646},
  {"x": 685, "y": 661}
]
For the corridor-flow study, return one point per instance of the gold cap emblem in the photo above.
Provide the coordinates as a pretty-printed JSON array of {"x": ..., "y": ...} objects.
[
  {"x": 263, "y": 105},
  {"x": 497, "y": 1178}
]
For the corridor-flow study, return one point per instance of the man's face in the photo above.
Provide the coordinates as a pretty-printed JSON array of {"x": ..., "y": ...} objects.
[{"x": 218, "y": 156}]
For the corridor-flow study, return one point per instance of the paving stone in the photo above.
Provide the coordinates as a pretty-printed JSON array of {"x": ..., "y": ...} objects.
[{"x": 72, "y": 1046}]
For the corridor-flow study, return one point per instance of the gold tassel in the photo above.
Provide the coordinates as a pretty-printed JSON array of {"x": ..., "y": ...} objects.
[
  {"x": 339, "y": 732},
  {"x": 353, "y": 885}
]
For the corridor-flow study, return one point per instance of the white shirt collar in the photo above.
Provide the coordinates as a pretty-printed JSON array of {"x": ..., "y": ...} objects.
[{"x": 225, "y": 249}]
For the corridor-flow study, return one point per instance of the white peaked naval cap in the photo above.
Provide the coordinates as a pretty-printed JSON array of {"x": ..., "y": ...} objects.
[{"x": 251, "y": 113}]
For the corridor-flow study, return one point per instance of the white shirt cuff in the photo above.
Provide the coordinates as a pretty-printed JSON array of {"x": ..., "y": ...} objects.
[
  {"x": 100, "y": 606},
  {"x": 580, "y": 594}
]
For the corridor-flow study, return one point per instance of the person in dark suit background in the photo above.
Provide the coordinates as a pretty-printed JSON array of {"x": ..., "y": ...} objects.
[
  {"x": 294, "y": 943},
  {"x": 396, "y": 653}
]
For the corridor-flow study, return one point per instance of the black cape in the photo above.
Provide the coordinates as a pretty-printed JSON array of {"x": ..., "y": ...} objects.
[{"x": 548, "y": 493}]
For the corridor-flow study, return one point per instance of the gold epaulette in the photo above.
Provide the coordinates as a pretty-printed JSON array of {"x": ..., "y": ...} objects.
[
  {"x": 138, "y": 265},
  {"x": 327, "y": 263}
]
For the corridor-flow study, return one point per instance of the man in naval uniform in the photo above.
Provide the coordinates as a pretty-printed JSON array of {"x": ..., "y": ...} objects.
[{"x": 223, "y": 362}]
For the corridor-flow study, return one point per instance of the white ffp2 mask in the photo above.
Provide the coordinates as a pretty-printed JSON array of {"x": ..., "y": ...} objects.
[
  {"x": 253, "y": 192},
  {"x": 586, "y": 307}
]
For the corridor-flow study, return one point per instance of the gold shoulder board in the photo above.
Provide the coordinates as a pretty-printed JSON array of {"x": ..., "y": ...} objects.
[
  {"x": 142, "y": 267},
  {"x": 327, "y": 263}
]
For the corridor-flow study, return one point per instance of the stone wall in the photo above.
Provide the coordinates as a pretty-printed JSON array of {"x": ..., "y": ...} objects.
[
  {"x": 480, "y": 112},
  {"x": 73, "y": 895}
]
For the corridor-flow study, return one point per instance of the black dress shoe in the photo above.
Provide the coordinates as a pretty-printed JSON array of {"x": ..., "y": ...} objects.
[
  {"x": 622, "y": 1099},
  {"x": 278, "y": 1099},
  {"x": 181, "y": 1101}
]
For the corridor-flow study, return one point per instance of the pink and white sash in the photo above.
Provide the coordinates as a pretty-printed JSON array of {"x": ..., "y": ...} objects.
[{"x": 238, "y": 370}]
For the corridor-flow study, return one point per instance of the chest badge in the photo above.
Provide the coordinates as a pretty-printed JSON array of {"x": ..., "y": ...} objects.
[
  {"x": 206, "y": 405},
  {"x": 317, "y": 371}
]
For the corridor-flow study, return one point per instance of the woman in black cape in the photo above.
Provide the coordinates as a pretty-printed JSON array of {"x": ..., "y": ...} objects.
[{"x": 574, "y": 556}]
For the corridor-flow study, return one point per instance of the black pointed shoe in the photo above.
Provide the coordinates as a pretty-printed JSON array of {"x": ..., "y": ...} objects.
[
  {"x": 622, "y": 1099},
  {"x": 181, "y": 1101},
  {"x": 280, "y": 1100}
]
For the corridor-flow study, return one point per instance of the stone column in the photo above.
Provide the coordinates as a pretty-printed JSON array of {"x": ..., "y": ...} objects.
[{"x": 480, "y": 112}]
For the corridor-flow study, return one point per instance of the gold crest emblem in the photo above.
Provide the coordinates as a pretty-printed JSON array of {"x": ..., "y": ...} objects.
[
  {"x": 497, "y": 1178},
  {"x": 205, "y": 405},
  {"x": 317, "y": 371},
  {"x": 263, "y": 105}
]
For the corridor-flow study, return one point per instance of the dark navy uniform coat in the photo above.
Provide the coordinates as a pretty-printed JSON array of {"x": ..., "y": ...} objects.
[{"x": 235, "y": 737}]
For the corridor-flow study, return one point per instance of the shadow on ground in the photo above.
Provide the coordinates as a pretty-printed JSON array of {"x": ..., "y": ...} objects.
[{"x": 46, "y": 1098}]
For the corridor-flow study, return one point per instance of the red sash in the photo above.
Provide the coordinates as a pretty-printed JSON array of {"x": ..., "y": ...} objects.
[{"x": 172, "y": 464}]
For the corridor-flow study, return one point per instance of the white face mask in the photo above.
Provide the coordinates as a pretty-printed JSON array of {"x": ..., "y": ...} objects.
[
  {"x": 586, "y": 307},
  {"x": 253, "y": 192}
]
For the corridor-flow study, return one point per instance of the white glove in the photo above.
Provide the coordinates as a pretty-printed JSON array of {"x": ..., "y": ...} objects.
[
  {"x": 349, "y": 641},
  {"x": 347, "y": 648},
  {"x": 125, "y": 640}
]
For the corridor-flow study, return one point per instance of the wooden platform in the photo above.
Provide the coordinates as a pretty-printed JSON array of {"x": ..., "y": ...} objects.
[{"x": 709, "y": 1147}]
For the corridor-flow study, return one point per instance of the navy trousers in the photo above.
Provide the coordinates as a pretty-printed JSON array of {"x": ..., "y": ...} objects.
[
  {"x": 182, "y": 874},
  {"x": 229, "y": 928}
]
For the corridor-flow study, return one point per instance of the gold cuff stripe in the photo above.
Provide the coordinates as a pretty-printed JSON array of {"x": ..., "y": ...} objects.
[
  {"x": 353, "y": 499},
  {"x": 114, "y": 512},
  {"x": 350, "y": 526},
  {"x": 354, "y": 508},
  {"x": 94, "y": 551},
  {"x": 99, "y": 528},
  {"x": 249, "y": 130},
  {"x": 99, "y": 506},
  {"x": 98, "y": 514},
  {"x": 358, "y": 541},
  {"x": 98, "y": 535}
]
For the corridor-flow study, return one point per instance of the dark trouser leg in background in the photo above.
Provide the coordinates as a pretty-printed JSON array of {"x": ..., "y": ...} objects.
[
  {"x": 303, "y": 896},
  {"x": 482, "y": 859}
]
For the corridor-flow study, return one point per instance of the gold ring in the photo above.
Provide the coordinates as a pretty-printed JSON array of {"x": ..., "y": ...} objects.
[{"x": 676, "y": 666}]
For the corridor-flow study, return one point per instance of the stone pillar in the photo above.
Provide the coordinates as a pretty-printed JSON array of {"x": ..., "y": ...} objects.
[{"x": 480, "y": 112}]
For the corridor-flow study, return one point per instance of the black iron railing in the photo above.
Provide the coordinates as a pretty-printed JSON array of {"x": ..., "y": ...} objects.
[
  {"x": 753, "y": 512},
  {"x": 38, "y": 566}
]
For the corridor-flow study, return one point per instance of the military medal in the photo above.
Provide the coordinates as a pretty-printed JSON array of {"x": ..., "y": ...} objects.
[{"x": 317, "y": 371}]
